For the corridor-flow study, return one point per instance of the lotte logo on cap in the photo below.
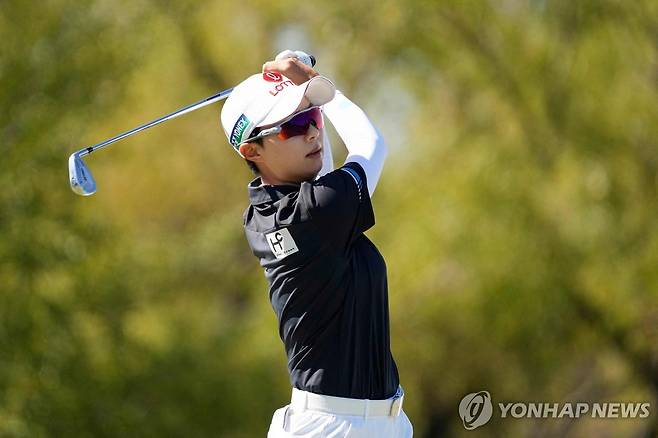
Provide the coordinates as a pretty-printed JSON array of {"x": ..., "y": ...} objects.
[{"x": 272, "y": 76}]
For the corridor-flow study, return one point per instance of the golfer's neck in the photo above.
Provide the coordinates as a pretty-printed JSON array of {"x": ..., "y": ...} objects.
[{"x": 269, "y": 180}]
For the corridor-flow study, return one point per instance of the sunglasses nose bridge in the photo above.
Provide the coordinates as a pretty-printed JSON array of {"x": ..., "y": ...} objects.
[{"x": 311, "y": 133}]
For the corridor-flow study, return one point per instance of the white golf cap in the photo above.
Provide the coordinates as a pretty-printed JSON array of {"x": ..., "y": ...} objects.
[{"x": 266, "y": 98}]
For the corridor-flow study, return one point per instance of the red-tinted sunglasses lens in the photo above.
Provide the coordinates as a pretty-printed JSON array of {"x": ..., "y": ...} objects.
[{"x": 299, "y": 124}]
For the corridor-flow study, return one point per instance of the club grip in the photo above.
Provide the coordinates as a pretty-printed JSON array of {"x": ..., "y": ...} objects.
[{"x": 302, "y": 56}]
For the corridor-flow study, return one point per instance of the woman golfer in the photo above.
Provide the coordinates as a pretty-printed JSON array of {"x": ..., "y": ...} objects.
[{"x": 305, "y": 223}]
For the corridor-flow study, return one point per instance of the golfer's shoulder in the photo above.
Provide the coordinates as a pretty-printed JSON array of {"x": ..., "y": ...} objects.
[
  {"x": 344, "y": 187},
  {"x": 347, "y": 180}
]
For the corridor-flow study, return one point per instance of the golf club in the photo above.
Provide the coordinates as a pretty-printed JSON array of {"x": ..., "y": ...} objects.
[
  {"x": 82, "y": 182},
  {"x": 81, "y": 179}
]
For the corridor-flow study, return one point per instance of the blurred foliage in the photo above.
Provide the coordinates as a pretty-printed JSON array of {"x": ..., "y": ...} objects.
[{"x": 516, "y": 212}]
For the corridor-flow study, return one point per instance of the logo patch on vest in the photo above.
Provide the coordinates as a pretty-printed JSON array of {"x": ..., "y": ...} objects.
[{"x": 281, "y": 243}]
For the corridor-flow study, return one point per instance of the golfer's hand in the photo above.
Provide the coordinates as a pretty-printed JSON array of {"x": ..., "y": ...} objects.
[{"x": 292, "y": 68}]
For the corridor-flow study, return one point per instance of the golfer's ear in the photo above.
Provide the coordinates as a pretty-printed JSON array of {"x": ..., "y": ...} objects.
[{"x": 250, "y": 150}]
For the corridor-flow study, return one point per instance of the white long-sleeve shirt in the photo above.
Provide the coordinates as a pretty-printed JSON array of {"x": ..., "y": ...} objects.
[{"x": 364, "y": 143}]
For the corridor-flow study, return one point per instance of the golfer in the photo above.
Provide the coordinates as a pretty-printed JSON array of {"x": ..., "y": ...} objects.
[{"x": 305, "y": 223}]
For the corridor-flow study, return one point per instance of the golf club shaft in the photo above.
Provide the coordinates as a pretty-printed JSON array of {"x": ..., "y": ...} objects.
[{"x": 207, "y": 101}]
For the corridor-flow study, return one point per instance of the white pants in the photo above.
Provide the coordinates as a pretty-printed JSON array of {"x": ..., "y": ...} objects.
[{"x": 289, "y": 422}]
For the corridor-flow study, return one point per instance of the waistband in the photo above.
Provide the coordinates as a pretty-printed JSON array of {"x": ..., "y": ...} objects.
[{"x": 303, "y": 400}]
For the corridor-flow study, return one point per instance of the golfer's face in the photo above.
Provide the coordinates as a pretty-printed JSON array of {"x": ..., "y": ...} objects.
[{"x": 295, "y": 159}]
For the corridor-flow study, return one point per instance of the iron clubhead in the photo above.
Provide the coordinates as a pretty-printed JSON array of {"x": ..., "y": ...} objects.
[{"x": 80, "y": 177}]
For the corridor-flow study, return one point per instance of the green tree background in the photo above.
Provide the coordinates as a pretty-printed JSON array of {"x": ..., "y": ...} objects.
[{"x": 517, "y": 210}]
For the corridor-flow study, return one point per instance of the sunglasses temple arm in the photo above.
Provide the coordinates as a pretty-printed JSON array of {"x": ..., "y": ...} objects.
[{"x": 265, "y": 133}]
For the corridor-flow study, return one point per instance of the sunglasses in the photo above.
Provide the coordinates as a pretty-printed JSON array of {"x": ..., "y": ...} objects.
[{"x": 294, "y": 125}]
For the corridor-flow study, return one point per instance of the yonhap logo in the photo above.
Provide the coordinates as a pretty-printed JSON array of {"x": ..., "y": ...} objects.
[{"x": 475, "y": 409}]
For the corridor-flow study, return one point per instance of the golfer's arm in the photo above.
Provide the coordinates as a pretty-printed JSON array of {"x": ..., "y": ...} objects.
[{"x": 364, "y": 143}]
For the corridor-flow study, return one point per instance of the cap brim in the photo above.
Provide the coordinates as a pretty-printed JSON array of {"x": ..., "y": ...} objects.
[{"x": 318, "y": 90}]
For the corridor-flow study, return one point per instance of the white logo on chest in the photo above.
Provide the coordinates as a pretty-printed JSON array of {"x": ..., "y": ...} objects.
[{"x": 281, "y": 243}]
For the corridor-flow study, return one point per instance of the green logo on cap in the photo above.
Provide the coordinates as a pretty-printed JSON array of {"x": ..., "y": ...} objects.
[{"x": 238, "y": 130}]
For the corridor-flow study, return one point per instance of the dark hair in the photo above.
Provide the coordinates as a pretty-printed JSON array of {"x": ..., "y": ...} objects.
[
  {"x": 253, "y": 167},
  {"x": 251, "y": 164}
]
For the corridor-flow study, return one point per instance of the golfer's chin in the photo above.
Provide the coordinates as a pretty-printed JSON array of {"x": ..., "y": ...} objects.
[
  {"x": 310, "y": 175},
  {"x": 307, "y": 169},
  {"x": 316, "y": 168}
]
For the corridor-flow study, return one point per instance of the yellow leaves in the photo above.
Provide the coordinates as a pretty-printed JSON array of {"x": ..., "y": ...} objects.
[
  {"x": 97, "y": 342},
  {"x": 149, "y": 327}
]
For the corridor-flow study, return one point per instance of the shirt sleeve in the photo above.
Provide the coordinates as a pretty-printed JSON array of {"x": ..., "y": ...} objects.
[
  {"x": 365, "y": 144},
  {"x": 339, "y": 204}
]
